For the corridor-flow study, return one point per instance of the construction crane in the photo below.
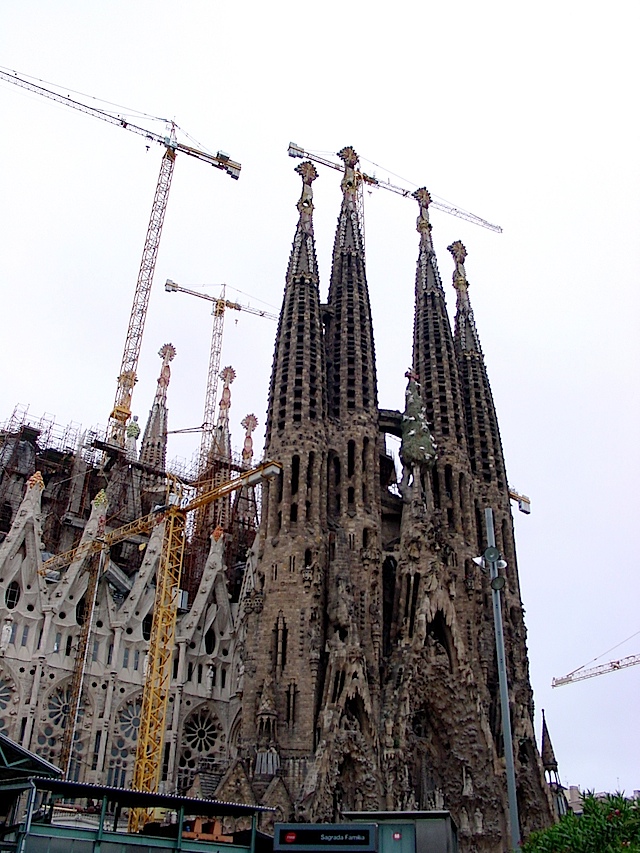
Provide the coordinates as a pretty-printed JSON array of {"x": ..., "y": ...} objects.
[
  {"x": 582, "y": 673},
  {"x": 220, "y": 305},
  {"x": 155, "y": 696},
  {"x": 371, "y": 181},
  {"x": 93, "y": 546},
  {"x": 121, "y": 411},
  {"x": 524, "y": 503},
  {"x": 155, "y": 692},
  {"x": 96, "y": 550}
]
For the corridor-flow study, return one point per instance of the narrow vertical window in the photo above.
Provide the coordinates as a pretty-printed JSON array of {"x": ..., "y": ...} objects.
[
  {"x": 96, "y": 751},
  {"x": 125, "y": 659},
  {"x": 295, "y": 474},
  {"x": 25, "y": 635}
]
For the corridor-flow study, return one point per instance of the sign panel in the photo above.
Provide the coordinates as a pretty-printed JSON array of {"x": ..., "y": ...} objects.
[{"x": 339, "y": 837}]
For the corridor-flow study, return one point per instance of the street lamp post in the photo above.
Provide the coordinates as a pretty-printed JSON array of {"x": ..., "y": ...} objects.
[{"x": 493, "y": 558}]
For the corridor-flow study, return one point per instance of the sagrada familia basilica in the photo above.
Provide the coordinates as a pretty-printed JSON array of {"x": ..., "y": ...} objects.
[{"x": 334, "y": 647}]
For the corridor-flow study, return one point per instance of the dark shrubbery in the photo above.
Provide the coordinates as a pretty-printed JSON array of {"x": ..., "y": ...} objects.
[{"x": 606, "y": 825}]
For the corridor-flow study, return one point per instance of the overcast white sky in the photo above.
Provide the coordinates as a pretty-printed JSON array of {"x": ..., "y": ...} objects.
[{"x": 525, "y": 114}]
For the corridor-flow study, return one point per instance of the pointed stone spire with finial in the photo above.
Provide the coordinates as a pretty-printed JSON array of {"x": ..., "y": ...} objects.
[
  {"x": 249, "y": 422},
  {"x": 551, "y": 771},
  {"x": 154, "y": 442},
  {"x": 222, "y": 442},
  {"x": 349, "y": 233},
  {"x": 300, "y": 309},
  {"x": 547, "y": 754},
  {"x": 483, "y": 434},
  {"x": 303, "y": 255},
  {"x": 466, "y": 334},
  {"x": 351, "y": 368},
  {"x": 433, "y": 352}
]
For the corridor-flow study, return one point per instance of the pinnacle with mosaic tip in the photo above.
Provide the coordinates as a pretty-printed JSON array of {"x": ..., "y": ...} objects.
[
  {"x": 459, "y": 254},
  {"x": 458, "y": 251},
  {"x": 307, "y": 172},
  {"x": 423, "y": 197},
  {"x": 348, "y": 156},
  {"x": 350, "y": 180}
]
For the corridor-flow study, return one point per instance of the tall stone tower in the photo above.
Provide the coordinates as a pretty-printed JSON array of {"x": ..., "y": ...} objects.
[{"x": 370, "y": 673}]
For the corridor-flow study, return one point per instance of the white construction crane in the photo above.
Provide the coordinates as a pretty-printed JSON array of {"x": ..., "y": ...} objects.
[
  {"x": 371, "y": 181},
  {"x": 121, "y": 411},
  {"x": 582, "y": 673},
  {"x": 220, "y": 305}
]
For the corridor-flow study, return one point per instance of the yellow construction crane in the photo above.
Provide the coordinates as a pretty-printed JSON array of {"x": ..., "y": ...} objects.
[
  {"x": 582, "y": 673},
  {"x": 220, "y": 305},
  {"x": 371, "y": 181},
  {"x": 96, "y": 550},
  {"x": 156, "y": 685},
  {"x": 121, "y": 411},
  {"x": 155, "y": 697}
]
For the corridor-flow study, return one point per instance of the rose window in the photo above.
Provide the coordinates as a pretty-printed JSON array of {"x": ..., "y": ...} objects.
[
  {"x": 53, "y": 725},
  {"x": 203, "y": 739},
  {"x": 123, "y": 745}
]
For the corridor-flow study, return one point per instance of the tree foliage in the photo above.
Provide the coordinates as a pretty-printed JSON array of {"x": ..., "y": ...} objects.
[{"x": 606, "y": 825}]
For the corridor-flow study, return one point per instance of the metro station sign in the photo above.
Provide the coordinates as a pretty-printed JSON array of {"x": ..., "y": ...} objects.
[{"x": 339, "y": 837}]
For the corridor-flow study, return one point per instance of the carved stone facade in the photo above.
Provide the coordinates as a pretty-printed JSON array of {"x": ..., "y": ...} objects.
[
  {"x": 345, "y": 661},
  {"x": 374, "y": 636}
]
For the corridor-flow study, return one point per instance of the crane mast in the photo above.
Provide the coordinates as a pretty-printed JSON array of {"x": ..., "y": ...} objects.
[
  {"x": 220, "y": 305},
  {"x": 155, "y": 696},
  {"x": 121, "y": 411}
]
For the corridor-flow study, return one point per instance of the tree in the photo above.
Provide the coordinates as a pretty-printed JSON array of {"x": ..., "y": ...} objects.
[{"x": 606, "y": 825}]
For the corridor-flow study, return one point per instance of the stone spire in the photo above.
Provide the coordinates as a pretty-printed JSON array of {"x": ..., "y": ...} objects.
[
  {"x": 483, "y": 435},
  {"x": 250, "y": 422},
  {"x": 303, "y": 255},
  {"x": 297, "y": 392},
  {"x": 546, "y": 753},
  {"x": 153, "y": 451},
  {"x": 466, "y": 334},
  {"x": 288, "y": 595},
  {"x": 433, "y": 351},
  {"x": 352, "y": 384},
  {"x": 222, "y": 440},
  {"x": 550, "y": 765}
]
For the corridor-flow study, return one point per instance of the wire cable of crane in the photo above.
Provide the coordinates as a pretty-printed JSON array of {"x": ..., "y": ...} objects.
[
  {"x": 617, "y": 646},
  {"x": 129, "y": 110},
  {"x": 452, "y": 208}
]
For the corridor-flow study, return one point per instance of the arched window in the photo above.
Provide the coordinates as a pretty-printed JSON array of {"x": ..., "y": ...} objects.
[
  {"x": 12, "y": 595},
  {"x": 146, "y": 625}
]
